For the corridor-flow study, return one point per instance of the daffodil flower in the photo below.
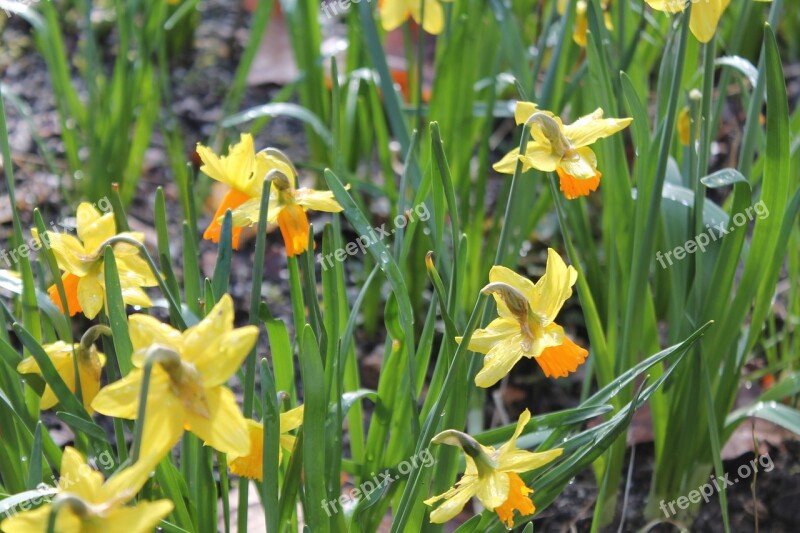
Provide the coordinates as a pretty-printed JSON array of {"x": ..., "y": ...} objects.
[
  {"x": 287, "y": 206},
  {"x": 81, "y": 259},
  {"x": 492, "y": 475},
  {"x": 85, "y": 503},
  {"x": 251, "y": 465},
  {"x": 562, "y": 149},
  {"x": 90, "y": 365},
  {"x": 395, "y": 12},
  {"x": 526, "y": 327},
  {"x": 582, "y": 20},
  {"x": 244, "y": 171},
  {"x": 704, "y": 17},
  {"x": 187, "y": 382},
  {"x": 240, "y": 170}
]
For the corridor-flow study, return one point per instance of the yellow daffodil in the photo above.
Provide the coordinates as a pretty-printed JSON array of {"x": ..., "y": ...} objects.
[
  {"x": 525, "y": 327},
  {"x": 244, "y": 171},
  {"x": 395, "y": 12},
  {"x": 251, "y": 465},
  {"x": 704, "y": 17},
  {"x": 492, "y": 475},
  {"x": 81, "y": 259},
  {"x": 187, "y": 382},
  {"x": 84, "y": 503},
  {"x": 582, "y": 20},
  {"x": 562, "y": 149},
  {"x": 61, "y": 354}
]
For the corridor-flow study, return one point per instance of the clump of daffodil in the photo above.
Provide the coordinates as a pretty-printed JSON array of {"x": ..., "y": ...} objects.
[
  {"x": 90, "y": 364},
  {"x": 395, "y": 12},
  {"x": 187, "y": 385},
  {"x": 562, "y": 149},
  {"x": 84, "y": 502},
  {"x": 582, "y": 20},
  {"x": 705, "y": 14},
  {"x": 526, "y": 327},
  {"x": 81, "y": 259},
  {"x": 251, "y": 465},
  {"x": 492, "y": 475},
  {"x": 244, "y": 171}
]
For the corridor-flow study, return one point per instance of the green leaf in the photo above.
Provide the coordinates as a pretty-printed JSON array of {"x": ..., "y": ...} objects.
[
  {"x": 118, "y": 319},
  {"x": 313, "y": 431}
]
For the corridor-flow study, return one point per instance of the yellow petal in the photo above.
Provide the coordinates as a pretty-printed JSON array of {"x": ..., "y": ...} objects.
[
  {"x": 484, "y": 339},
  {"x": 121, "y": 398},
  {"x": 146, "y": 330},
  {"x": 501, "y": 274},
  {"x": 238, "y": 169},
  {"x": 247, "y": 213},
  {"x": 554, "y": 287},
  {"x": 125, "y": 484},
  {"x": 93, "y": 228},
  {"x": 541, "y": 157},
  {"x": 508, "y": 163},
  {"x": 705, "y": 17},
  {"x": 588, "y": 129},
  {"x": 524, "y": 110},
  {"x": 523, "y": 420},
  {"x": 69, "y": 252},
  {"x": 292, "y": 419},
  {"x": 393, "y": 13},
  {"x": 216, "y": 323},
  {"x": 581, "y": 24},
  {"x": 500, "y": 360},
  {"x": 36, "y": 520},
  {"x": 142, "y": 518},
  {"x": 524, "y": 461},
  {"x": 454, "y": 500},
  {"x": 91, "y": 295},
  {"x": 493, "y": 489},
  {"x": 225, "y": 429},
  {"x": 165, "y": 419},
  {"x": 78, "y": 477},
  {"x": 136, "y": 296},
  {"x": 582, "y": 165},
  {"x": 136, "y": 270},
  {"x": 317, "y": 200},
  {"x": 217, "y": 366},
  {"x": 667, "y": 6},
  {"x": 433, "y": 22}
]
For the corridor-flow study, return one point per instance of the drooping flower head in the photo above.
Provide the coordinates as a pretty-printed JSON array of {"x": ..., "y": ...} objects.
[
  {"x": 526, "y": 327},
  {"x": 244, "y": 171},
  {"x": 187, "y": 385},
  {"x": 395, "y": 12},
  {"x": 562, "y": 149},
  {"x": 81, "y": 259},
  {"x": 492, "y": 475},
  {"x": 251, "y": 465},
  {"x": 704, "y": 17},
  {"x": 62, "y": 355},
  {"x": 85, "y": 503}
]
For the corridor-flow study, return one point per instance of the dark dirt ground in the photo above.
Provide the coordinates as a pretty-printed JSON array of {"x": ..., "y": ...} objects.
[{"x": 200, "y": 81}]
